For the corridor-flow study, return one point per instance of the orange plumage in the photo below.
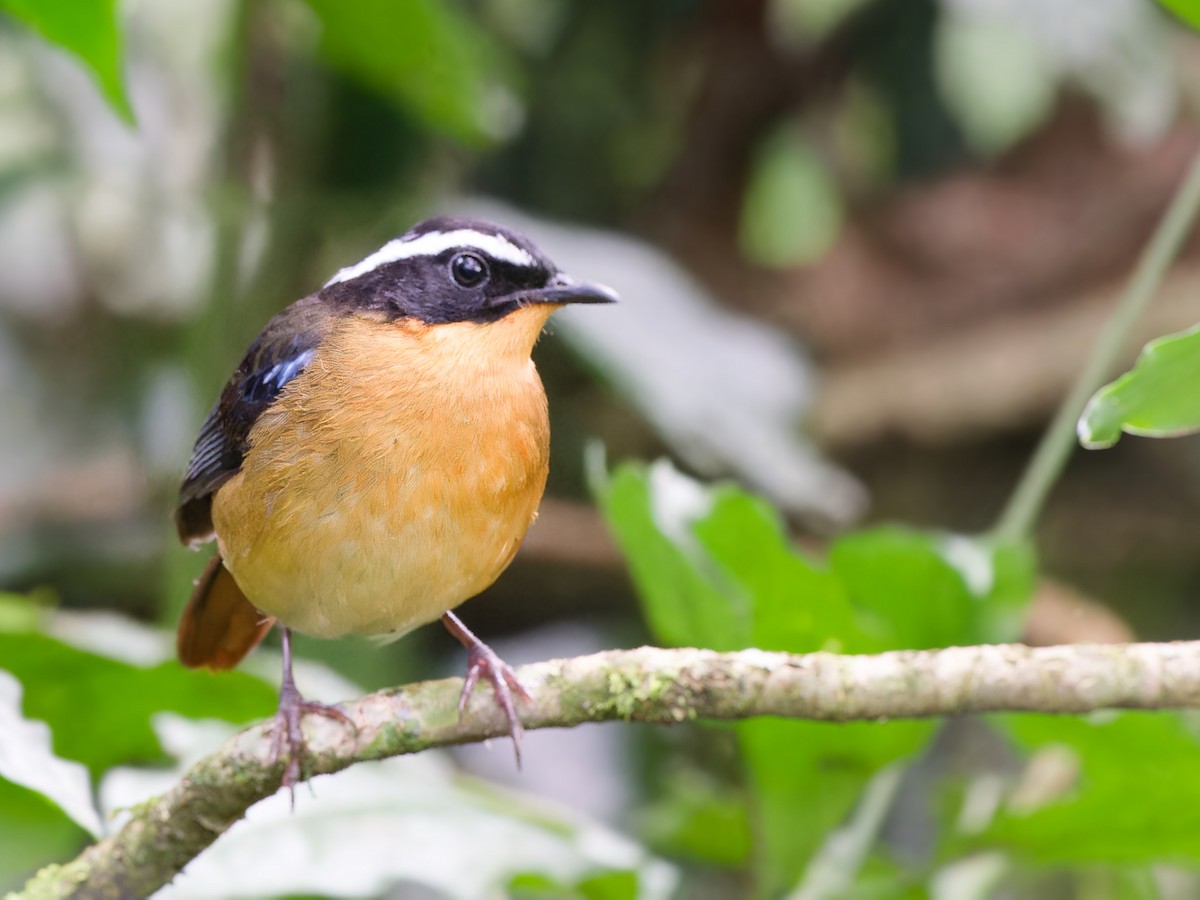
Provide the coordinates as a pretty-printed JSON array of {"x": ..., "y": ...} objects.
[{"x": 394, "y": 479}]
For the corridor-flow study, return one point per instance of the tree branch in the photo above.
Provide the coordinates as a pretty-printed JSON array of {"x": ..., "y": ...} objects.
[{"x": 644, "y": 685}]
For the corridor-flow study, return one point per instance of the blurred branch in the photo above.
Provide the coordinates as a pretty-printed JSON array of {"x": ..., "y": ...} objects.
[
  {"x": 644, "y": 685},
  {"x": 984, "y": 377}
]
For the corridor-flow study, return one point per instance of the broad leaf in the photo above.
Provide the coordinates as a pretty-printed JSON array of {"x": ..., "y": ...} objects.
[
  {"x": 698, "y": 817},
  {"x": 1134, "y": 795},
  {"x": 1187, "y": 10},
  {"x": 924, "y": 589},
  {"x": 1159, "y": 397},
  {"x": 807, "y": 777},
  {"x": 90, "y": 30},
  {"x": 686, "y": 598},
  {"x": 1013, "y": 570},
  {"x": 428, "y": 56},
  {"x": 915, "y": 597},
  {"x": 27, "y": 760},
  {"x": 99, "y": 709},
  {"x": 603, "y": 886},
  {"x": 715, "y": 568},
  {"x": 35, "y": 832},
  {"x": 793, "y": 605}
]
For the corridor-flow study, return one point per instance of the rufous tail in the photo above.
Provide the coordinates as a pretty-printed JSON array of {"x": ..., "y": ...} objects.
[{"x": 219, "y": 625}]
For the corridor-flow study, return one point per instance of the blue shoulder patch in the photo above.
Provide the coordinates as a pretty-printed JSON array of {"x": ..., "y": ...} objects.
[
  {"x": 276, "y": 357},
  {"x": 265, "y": 385}
]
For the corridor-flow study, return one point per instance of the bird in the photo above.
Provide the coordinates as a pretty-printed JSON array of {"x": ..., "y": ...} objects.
[{"x": 376, "y": 459}]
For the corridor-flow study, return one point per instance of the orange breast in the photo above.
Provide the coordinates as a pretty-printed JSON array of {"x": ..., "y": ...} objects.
[{"x": 394, "y": 479}]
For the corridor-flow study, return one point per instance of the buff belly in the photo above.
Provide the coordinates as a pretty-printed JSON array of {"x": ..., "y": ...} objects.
[{"x": 383, "y": 488}]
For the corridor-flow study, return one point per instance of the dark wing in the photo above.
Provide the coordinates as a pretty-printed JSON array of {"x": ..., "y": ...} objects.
[{"x": 280, "y": 353}]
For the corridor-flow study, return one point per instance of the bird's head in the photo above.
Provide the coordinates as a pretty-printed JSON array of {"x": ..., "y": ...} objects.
[{"x": 449, "y": 270}]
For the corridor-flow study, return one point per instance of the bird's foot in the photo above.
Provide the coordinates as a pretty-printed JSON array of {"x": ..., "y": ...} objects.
[
  {"x": 482, "y": 661},
  {"x": 287, "y": 740}
]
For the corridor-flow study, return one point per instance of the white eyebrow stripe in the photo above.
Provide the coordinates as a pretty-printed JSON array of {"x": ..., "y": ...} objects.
[{"x": 431, "y": 244}]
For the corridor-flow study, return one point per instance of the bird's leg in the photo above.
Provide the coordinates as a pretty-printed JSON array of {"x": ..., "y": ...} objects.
[
  {"x": 482, "y": 660},
  {"x": 287, "y": 740}
]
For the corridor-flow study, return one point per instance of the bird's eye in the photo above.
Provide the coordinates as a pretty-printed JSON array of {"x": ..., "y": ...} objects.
[{"x": 468, "y": 270}]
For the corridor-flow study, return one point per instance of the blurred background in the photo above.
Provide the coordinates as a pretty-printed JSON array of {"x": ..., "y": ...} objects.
[{"x": 863, "y": 247}]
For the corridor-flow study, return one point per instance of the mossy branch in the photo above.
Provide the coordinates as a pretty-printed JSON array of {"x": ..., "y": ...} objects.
[{"x": 644, "y": 685}]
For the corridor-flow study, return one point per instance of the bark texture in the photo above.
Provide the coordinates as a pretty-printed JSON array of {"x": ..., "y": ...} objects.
[{"x": 643, "y": 685}]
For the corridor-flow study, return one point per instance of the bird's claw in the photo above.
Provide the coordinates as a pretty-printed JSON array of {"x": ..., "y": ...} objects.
[
  {"x": 483, "y": 661},
  {"x": 287, "y": 739}
]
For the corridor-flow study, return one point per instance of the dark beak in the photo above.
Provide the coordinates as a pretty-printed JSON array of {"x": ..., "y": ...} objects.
[{"x": 564, "y": 289}]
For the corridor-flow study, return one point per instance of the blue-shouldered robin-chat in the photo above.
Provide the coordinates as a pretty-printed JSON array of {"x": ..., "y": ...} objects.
[{"x": 377, "y": 457}]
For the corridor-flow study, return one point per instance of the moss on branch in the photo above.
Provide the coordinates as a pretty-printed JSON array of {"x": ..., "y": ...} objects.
[{"x": 644, "y": 685}]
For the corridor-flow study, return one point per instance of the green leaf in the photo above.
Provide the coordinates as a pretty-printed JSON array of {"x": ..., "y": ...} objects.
[
  {"x": 429, "y": 57},
  {"x": 619, "y": 885},
  {"x": 99, "y": 709},
  {"x": 793, "y": 605},
  {"x": 995, "y": 77},
  {"x": 883, "y": 877},
  {"x": 19, "y": 613},
  {"x": 924, "y": 589},
  {"x": 90, "y": 30},
  {"x": 1159, "y": 397},
  {"x": 807, "y": 776},
  {"x": 900, "y": 577},
  {"x": 1131, "y": 792},
  {"x": 1187, "y": 10},
  {"x": 538, "y": 886},
  {"x": 651, "y": 513},
  {"x": 35, "y": 832},
  {"x": 698, "y": 818},
  {"x": 715, "y": 567},
  {"x": 1014, "y": 577},
  {"x": 27, "y": 760},
  {"x": 792, "y": 212}
]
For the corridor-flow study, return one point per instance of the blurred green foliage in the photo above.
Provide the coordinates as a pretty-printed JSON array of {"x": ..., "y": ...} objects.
[
  {"x": 715, "y": 569},
  {"x": 88, "y": 28},
  {"x": 437, "y": 63},
  {"x": 100, "y": 709},
  {"x": 998, "y": 81},
  {"x": 1130, "y": 794},
  {"x": 106, "y": 716},
  {"x": 36, "y": 832},
  {"x": 1187, "y": 10},
  {"x": 602, "y": 886},
  {"x": 582, "y": 109},
  {"x": 99, "y": 712},
  {"x": 793, "y": 210}
]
